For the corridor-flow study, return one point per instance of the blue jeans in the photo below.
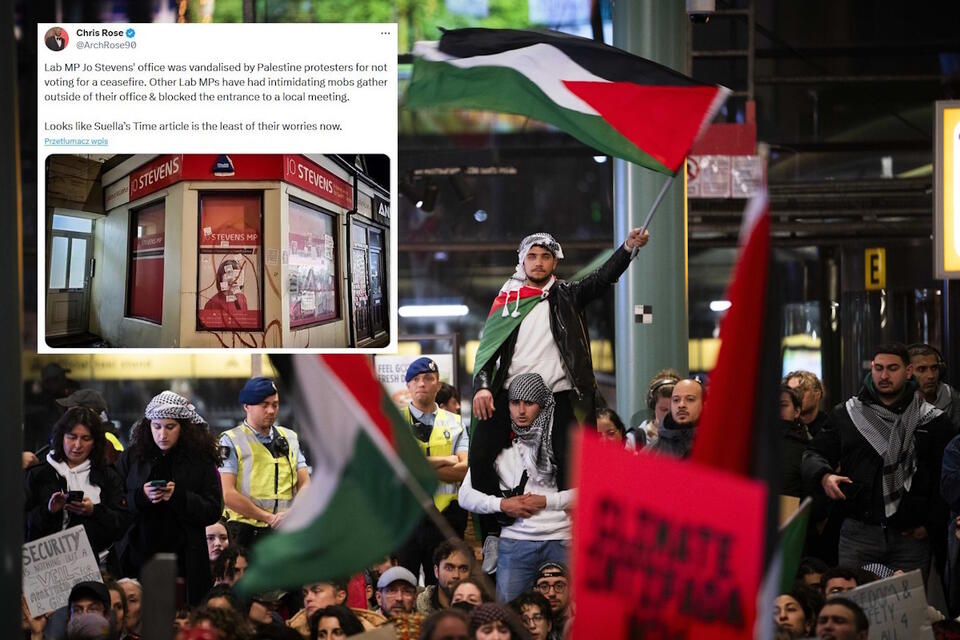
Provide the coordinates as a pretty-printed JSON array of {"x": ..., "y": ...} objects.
[
  {"x": 862, "y": 544},
  {"x": 518, "y": 561}
]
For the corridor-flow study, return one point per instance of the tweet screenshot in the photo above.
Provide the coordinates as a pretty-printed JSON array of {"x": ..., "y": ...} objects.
[{"x": 209, "y": 186}]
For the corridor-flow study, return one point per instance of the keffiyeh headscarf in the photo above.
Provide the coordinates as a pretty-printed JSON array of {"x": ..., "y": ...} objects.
[
  {"x": 519, "y": 275},
  {"x": 172, "y": 406},
  {"x": 536, "y": 441}
]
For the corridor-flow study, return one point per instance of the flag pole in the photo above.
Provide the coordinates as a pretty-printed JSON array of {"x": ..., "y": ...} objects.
[{"x": 653, "y": 209}]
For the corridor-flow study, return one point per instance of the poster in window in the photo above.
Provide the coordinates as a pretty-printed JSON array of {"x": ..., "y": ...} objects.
[
  {"x": 145, "y": 295},
  {"x": 312, "y": 269},
  {"x": 229, "y": 270}
]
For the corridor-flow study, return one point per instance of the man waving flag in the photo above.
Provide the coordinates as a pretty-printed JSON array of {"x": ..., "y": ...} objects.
[{"x": 612, "y": 100}]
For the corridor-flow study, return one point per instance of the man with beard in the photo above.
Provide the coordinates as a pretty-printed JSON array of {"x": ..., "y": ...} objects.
[
  {"x": 452, "y": 562},
  {"x": 928, "y": 368},
  {"x": 396, "y": 592},
  {"x": 523, "y": 336},
  {"x": 676, "y": 432},
  {"x": 888, "y": 444}
]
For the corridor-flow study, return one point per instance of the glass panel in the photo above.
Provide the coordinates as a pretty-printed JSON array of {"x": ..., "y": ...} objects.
[
  {"x": 58, "y": 263},
  {"x": 78, "y": 262},
  {"x": 229, "y": 283},
  {"x": 313, "y": 266},
  {"x": 72, "y": 223}
]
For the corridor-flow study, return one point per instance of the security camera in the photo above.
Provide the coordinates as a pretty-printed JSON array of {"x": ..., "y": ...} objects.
[{"x": 700, "y": 10}]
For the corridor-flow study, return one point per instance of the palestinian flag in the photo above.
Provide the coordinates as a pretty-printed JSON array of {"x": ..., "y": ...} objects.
[
  {"x": 793, "y": 534},
  {"x": 614, "y": 101},
  {"x": 739, "y": 430},
  {"x": 508, "y": 311},
  {"x": 359, "y": 505}
]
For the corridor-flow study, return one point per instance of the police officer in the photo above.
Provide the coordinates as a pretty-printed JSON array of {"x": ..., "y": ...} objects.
[
  {"x": 263, "y": 467},
  {"x": 445, "y": 443}
]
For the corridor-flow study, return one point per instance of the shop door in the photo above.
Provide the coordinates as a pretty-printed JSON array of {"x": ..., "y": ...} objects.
[
  {"x": 69, "y": 266},
  {"x": 378, "y": 318},
  {"x": 361, "y": 299}
]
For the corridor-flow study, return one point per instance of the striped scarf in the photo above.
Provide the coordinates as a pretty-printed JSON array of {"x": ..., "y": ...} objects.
[
  {"x": 535, "y": 442},
  {"x": 892, "y": 436}
]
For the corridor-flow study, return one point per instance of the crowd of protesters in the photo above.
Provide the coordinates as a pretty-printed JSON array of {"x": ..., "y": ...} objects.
[{"x": 883, "y": 469}]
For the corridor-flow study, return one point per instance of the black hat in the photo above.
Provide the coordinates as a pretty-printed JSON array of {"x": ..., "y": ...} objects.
[
  {"x": 90, "y": 589},
  {"x": 89, "y": 398}
]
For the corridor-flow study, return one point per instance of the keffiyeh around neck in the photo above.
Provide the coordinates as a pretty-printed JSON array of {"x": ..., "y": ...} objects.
[
  {"x": 892, "y": 436},
  {"x": 172, "y": 406},
  {"x": 535, "y": 442}
]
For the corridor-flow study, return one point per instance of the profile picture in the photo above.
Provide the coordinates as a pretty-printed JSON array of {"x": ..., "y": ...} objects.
[{"x": 56, "y": 39}]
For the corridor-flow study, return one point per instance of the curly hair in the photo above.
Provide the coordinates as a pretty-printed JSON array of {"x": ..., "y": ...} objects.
[
  {"x": 91, "y": 421},
  {"x": 195, "y": 441}
]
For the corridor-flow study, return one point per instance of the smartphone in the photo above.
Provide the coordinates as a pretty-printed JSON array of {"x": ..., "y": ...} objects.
[
  {"x": 74, "y": 496},
  {"x": 159, "y": 484}
]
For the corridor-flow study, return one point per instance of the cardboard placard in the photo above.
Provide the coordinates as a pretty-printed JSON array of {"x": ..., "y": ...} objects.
[
  {"x": 896, "y": 607},
  {"x": 53, "y": 564},
  {"x": 655, "y": 555}
]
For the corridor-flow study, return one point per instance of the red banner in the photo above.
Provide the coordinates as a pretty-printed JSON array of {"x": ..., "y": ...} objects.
[
  {"x": 312, "y": 177},
  {"x": 663, "y": 548}
]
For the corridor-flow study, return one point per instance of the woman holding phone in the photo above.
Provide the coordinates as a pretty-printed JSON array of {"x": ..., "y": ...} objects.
[
  {"x": 172, "y": 490},
  {"x": 75, "y": 485}
]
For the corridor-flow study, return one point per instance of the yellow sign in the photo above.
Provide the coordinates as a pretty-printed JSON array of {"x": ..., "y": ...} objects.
[
  {"x": 946, "y": 182},
  {"x": 875, "y": 269},
  {"x": 133, "y": 366}
]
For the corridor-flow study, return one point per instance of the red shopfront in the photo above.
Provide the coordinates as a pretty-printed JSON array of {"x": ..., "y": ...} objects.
[{"x": 225, "y": 251}]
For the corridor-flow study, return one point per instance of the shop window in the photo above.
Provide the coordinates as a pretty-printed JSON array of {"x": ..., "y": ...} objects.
[
  {"x": 229, "y": 292},
  {"x": 145, "y": 284},
  {"x": 313, "y": 266}
]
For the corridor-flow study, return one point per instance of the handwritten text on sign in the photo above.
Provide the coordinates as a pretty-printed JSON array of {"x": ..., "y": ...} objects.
[
  {"x": 53, "y": 564},
  {"x": 896, "y": 607},
  {"x": 654, "y": 556}
]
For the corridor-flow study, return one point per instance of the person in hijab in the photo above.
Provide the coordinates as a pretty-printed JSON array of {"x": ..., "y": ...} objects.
[
  {"x": 173, "y": 491},
  {"x": 531, "y": 509}
]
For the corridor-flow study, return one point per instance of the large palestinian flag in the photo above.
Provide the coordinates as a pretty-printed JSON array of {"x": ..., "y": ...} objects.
[
  {"x": 612, "y": 100},
  {"x": 359, "y": 506}
]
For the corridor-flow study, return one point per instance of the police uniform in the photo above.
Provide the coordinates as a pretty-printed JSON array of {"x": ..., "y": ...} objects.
[
  {"x": 265, "y": 466},
  {"x": 438, "y": 434}
]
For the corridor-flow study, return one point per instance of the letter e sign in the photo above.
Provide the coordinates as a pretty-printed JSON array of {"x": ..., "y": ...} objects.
[{"x": 875, "y": 268}]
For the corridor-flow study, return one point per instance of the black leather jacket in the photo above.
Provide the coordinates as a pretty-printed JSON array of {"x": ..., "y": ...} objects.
[{"x": 567, "y": 301}]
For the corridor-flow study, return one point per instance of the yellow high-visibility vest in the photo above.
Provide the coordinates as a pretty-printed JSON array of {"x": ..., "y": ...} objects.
[
  {"x": 446, "y": 431},
  {"x": 269, "y": 482}
]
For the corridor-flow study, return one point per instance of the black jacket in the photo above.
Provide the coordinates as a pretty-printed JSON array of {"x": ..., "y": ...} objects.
[
  {"x": 795, "y": 442},
  {"x": 177, "y": 526},
  {"x": 103, "y": 527},
  {"x": 840, "y": 445},
  {"x": 673, "y": 439},
  {"x": 567, "y": 301}
]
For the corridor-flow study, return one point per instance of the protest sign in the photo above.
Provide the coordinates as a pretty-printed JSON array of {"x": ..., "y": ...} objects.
[
  {"x": 664, "y": 548},
  {"x": 53, "y": 564},
  {"x": 896, "y": 607}
]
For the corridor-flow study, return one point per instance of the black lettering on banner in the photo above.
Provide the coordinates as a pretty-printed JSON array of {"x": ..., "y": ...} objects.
[{"x": 666, "y": 568}]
